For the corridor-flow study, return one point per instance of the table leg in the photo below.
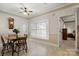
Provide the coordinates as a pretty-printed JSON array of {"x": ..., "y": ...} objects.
[{"x": 13, "y": 49}]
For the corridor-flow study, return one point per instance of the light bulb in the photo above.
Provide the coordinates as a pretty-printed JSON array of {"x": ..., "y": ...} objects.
[
  {"x": 25, "y": 13},
  {"x": 11, "y": 22}
]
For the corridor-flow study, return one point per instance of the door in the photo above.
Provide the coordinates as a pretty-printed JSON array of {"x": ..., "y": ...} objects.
[{"x": 64, "y": 34}]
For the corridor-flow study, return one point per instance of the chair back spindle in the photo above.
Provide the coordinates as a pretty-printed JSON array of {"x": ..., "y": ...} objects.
[{"x": 3, "y": 42}]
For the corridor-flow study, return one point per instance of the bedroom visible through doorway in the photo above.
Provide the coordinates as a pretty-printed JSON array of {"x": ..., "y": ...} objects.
[{"x": 67, "y": 28}]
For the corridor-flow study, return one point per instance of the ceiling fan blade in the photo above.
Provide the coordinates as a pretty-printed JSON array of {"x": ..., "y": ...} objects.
[
  {"x": 20, "y": 12},
  {"x": 22, "y": 8},
  {"x": 22, "y": 5},
  {"x": 30, "y": 11}
]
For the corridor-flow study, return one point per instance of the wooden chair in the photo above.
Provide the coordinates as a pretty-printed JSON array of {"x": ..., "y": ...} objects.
[
  {"x": 22, "y": 44},
  {"x": 6, "y": 46}
]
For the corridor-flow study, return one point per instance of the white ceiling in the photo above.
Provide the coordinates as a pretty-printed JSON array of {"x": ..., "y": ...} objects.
[
  {"x": 70, "y": 18},
  {"x": 37, "y": 8}
]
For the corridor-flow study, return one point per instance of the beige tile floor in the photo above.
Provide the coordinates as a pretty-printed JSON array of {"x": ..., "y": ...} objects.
[
  {"x": 69, "y": 43},
  {"x": 40, "y": 49}
]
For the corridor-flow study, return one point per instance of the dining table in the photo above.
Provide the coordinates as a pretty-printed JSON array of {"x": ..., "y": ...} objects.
[{"x": 14, "y": 39}]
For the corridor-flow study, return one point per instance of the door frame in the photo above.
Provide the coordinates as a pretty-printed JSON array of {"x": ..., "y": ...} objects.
[
  {"x": 76, "y": 29},
  {"x": 60, "y": 33},
  {"x": 60, "y": 18}
]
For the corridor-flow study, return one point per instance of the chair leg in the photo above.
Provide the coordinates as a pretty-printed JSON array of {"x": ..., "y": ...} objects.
[
  {"x": 8, "y": 48},
  {"x": 12, "y": 50},
  {"x": 26, "y": 48},
  {"x": 2, "y": 52},
  {"x": 18, "y": 51}
]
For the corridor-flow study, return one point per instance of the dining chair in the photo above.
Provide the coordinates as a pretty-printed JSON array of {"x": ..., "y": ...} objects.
[
  {"x": 22, "y": 44},
  {"x": 6, "y": 46}
]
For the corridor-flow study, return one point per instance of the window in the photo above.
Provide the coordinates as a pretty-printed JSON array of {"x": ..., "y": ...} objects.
[{"x": 40, "y": 30}]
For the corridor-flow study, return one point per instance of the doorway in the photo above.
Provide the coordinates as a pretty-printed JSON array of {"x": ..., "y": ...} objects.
[{"x": 67, "y": 32}]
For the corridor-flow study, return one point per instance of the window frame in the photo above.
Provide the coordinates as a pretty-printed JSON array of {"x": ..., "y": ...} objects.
[{"x": 47, "y": 29}]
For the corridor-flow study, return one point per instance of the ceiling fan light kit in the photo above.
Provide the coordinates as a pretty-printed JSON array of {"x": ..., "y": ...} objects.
[{"x": 25, "y": 13}]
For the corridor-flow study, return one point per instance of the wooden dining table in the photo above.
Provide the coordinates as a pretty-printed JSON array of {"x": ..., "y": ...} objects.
[{"x": 13, "y": 39}]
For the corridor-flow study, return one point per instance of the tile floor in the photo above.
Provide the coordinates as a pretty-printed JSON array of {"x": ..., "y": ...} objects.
[
  {"x": 69, "y": 43},
  {"x": 40, "y": 49}
]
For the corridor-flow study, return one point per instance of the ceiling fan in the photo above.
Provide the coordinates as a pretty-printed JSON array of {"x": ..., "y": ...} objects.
[{"x": 25, "y": 10}]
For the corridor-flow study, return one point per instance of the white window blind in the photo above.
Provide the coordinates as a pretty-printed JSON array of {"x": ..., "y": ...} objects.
[{"x": 40, "y": 30}]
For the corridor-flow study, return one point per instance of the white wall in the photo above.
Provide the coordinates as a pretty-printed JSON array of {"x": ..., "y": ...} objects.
[
  {"x": 53, "y": 18},
  {"x": 78, "y": 16},
  {"x": 18, "y": 23},
  {"x": 70, "y": 27},
  {"x": 77, "y": 29}
]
